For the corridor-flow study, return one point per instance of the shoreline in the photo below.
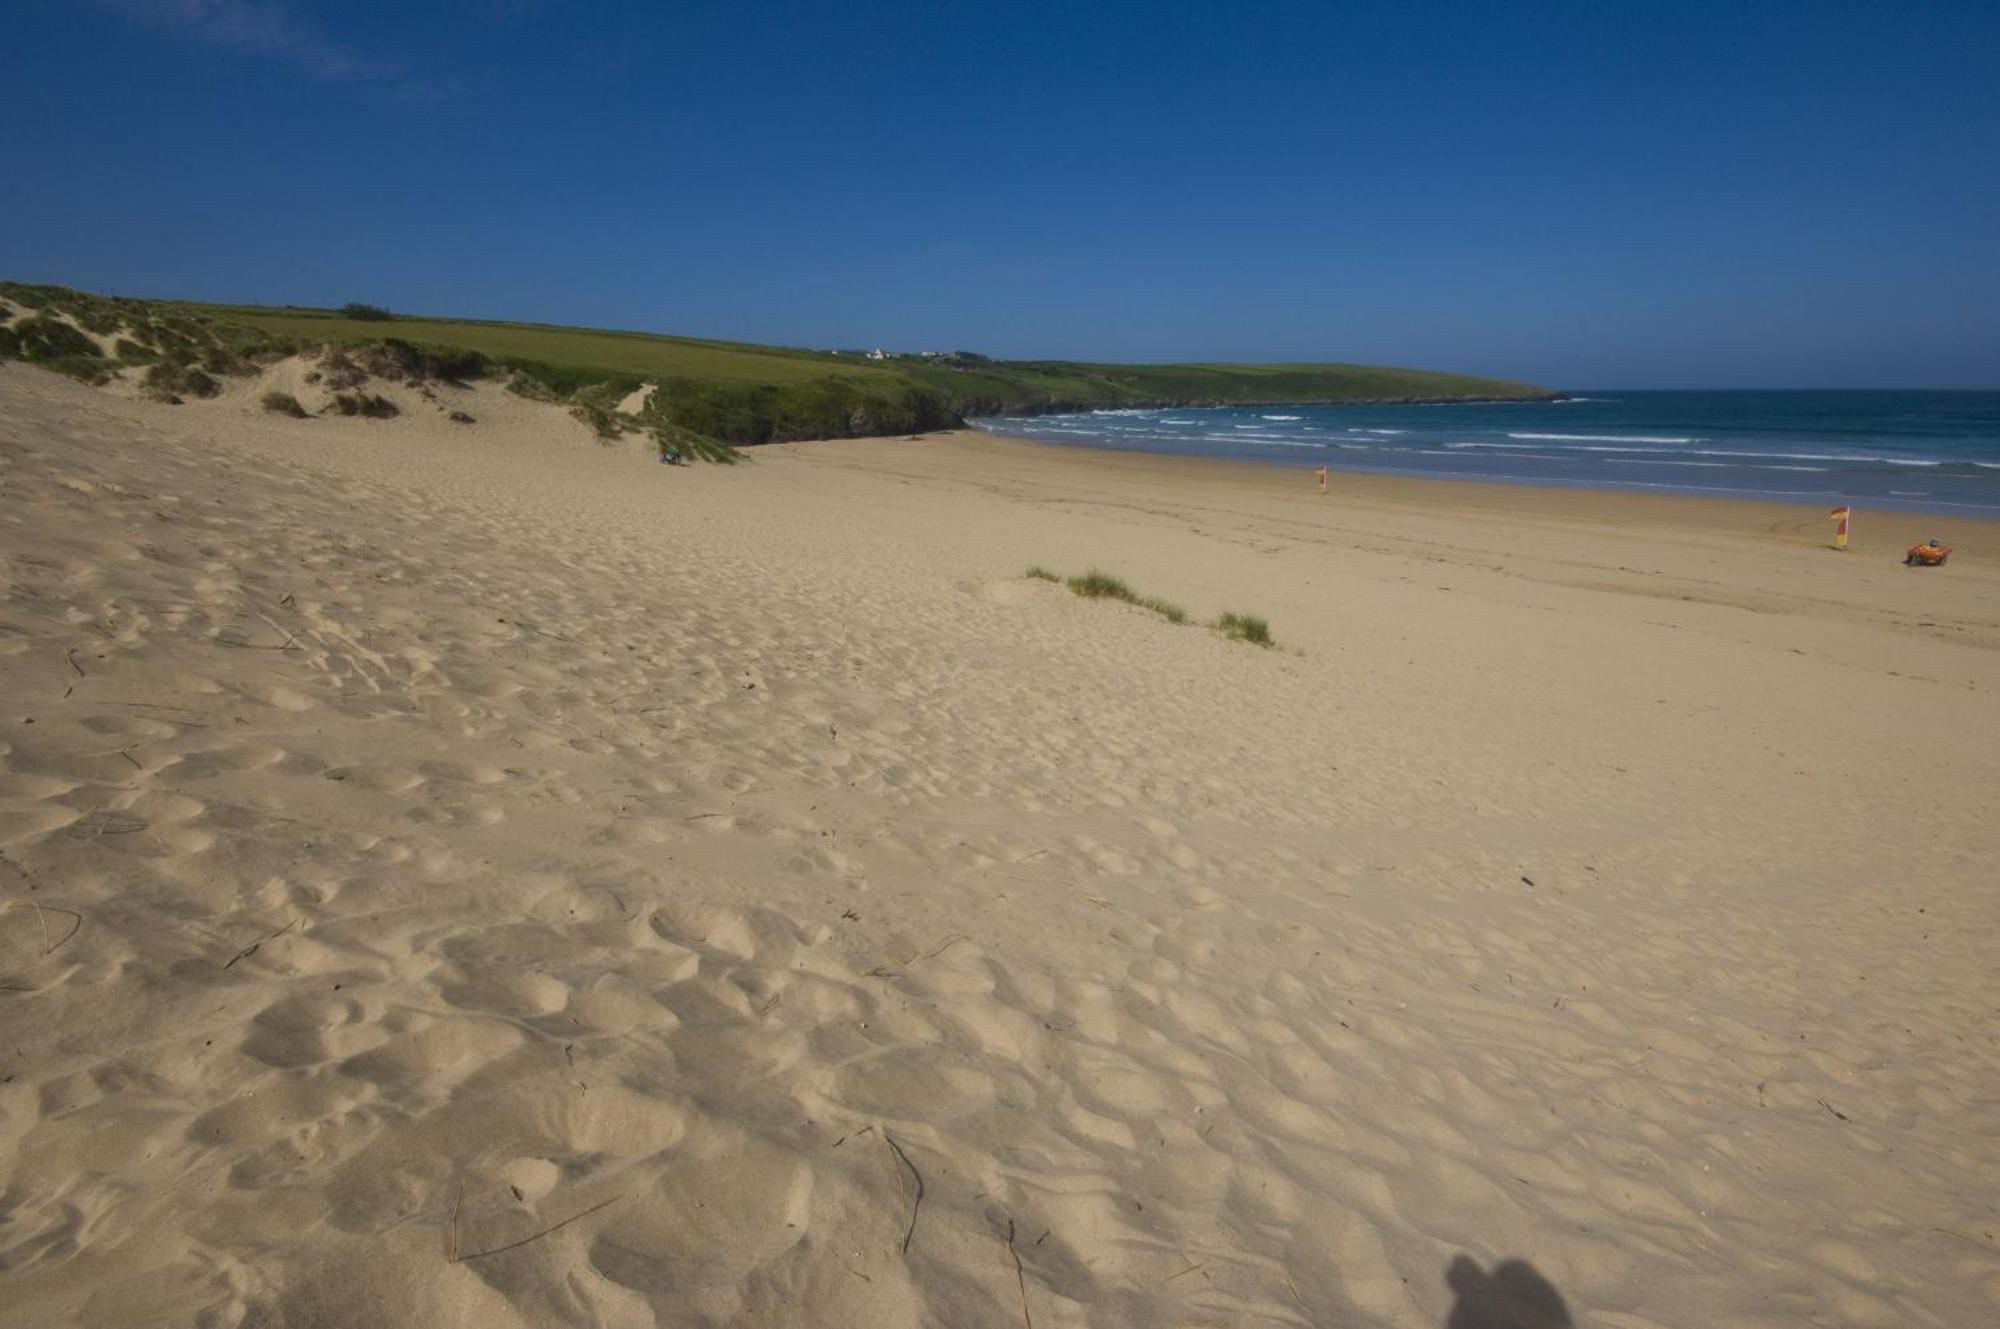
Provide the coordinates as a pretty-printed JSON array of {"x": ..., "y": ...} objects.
[
  {"x": 1918, "y": 451},
  {"x": 1965, "y": 531}
]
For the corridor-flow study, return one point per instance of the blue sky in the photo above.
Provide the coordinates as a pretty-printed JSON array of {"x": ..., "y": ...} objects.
[{"x": 1673, "y": 194}]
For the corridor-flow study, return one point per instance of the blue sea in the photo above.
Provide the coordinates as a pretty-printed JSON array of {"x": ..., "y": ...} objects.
[{"x": 1930, "y": 451}]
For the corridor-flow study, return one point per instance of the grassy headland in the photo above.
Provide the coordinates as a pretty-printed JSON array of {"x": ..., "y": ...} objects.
[{"x": 714, "y": 391}]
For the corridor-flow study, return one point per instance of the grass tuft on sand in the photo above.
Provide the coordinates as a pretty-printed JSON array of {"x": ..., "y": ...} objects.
[
  {"x": 1095, "y": 585},
  {"x": 284, "y": 403},
  {"x": 1245, "y": 627}
]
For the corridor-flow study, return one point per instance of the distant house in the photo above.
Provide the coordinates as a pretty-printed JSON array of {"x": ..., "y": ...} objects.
[{"x": 878, "y": 354}]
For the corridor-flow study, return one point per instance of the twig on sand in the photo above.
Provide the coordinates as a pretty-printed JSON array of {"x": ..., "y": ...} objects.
[
  {"x": 940, "y": 948},
  {"x": 701, "y": 815},
  {"x": 251, "y": 949},
  {"x": 540, "y": 632},
  {"x": 1831, "y": 1108},
  {"x": 1185, "y": 1272},
  {"x": 107, "y": 821},
  {"x": 42, "y": 919},
  {"x": 70, "y": 656},
  {"x": 537, "y": 1236},
  {"x": 895, "y": 968},
  {"x": 74, "y": 928},
  {"x": 865, "y": 1130},
  {"x": 1949, "y": 1232},
  {"x": 284, "y": 645},
  {"x": 1020, "y": 1277},
  {"x": 918, "y": 1203},
  {"x": 451, "y": 1228}
]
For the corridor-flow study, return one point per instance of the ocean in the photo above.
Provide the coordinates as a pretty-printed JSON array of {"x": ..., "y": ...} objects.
[{"x": 1930, "y": 451}]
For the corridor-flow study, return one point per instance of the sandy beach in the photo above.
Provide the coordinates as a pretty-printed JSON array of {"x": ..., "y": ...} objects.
[{"x": 477, "y": 876}]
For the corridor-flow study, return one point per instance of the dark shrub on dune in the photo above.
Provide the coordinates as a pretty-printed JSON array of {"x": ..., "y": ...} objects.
[
  {"x": 176, "y": 377},
  {"x": 54, "y": 344},
  {"x": 91, "y": 369},
  {"x": 284, "y": 403},
  {"x": 364, "y": 404},
  {"x": 604, "y": 423},
  {"x": 43, "y": 339},
  {"x": 395, "y": 358},
  {"x": 341, "y": 371}
]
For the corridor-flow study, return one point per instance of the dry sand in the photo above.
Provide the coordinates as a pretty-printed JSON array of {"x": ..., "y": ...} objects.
[{"x": 468, "y": 876}]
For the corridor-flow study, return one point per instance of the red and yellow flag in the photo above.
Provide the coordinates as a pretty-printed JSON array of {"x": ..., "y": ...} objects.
[{"x": 1840, "y": 515}]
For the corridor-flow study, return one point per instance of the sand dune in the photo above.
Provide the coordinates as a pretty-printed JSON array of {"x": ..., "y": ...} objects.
[{"x": 469, "y": 876}]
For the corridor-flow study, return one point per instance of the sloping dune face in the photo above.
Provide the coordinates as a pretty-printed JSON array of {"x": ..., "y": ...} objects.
[{"x": 468, "y": 877}]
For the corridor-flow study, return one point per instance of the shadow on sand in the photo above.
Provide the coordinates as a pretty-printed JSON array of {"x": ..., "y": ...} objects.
[{"x": 1513, "y": 1296}]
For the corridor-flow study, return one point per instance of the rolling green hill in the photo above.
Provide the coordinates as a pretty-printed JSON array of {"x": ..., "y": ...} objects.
[{"x": 730, "y": 392}]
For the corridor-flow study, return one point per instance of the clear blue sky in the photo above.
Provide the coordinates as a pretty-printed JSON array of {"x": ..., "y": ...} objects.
[{"x": 1588, "y": 194}]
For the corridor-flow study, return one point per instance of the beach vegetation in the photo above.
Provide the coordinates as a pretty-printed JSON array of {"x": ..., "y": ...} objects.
[
  {"x": 1040, "y": 573},
  {"x": 100, "y": 317},
  {"x": 219, "y": 359},
  {"x": 366, "y": 404},
  {"x": 42, "y": 339},
  {"x": 91, "y": 369},
  {"x": 176, "y": 377},
  {"x": 1245, "y": 627},
  {"x": 133, "y": 353},
  {"x": 55, "y": 345},
  {"x": 31, "y": 296},
  {"x": 603, "y": 421},
  {"x": 673, "y": 438},
  {"x": 340, "y": 370},
  {"x": 1095, "y": 585},
  {"x": 362, "y": 313},
  {"x": 393, "y": 357},
  {"x": 284, "y": 403}
]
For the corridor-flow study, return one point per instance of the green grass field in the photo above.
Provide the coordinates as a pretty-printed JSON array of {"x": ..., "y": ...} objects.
[
  {"x": 733, "y": 392},
  {"x": 988, "y": 387},
  {"x": 641, "y": 354}
]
